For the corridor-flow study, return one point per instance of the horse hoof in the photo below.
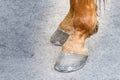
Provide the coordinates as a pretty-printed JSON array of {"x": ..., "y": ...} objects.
[
  {"x": 59, "y": 37},
  {"x": 70, "y": 62}
]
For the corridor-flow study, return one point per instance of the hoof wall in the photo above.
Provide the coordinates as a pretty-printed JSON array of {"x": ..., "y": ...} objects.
[
  {"x": 70, "y": 62},
  {"x": 59, "y": 37}
]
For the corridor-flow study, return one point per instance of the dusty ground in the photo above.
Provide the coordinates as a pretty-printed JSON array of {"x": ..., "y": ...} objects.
[{"x": 27, "y": 54}]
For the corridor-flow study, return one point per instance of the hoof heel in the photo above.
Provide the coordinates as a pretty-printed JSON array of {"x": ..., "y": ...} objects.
[{"x": 59, "y": 37}]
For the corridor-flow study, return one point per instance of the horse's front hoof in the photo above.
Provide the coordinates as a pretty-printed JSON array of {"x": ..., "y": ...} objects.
[
  {"x": 59, "y": 37},
  {"x": 70, "y": 62}
]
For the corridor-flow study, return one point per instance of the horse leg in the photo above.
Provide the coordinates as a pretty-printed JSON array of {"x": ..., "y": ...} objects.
[
  {"x": 74, "y": 53},
  {"x": 65, "y": 27}
]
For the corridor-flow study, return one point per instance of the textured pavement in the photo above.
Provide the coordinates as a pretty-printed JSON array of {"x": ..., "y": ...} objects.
[{"x": 27, "y": 54}]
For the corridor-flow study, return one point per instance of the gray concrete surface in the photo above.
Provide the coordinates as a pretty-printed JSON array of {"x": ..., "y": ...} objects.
[{"x": 25, "y": 50}]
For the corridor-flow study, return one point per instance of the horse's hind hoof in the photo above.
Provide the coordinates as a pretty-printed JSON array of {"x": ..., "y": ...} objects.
[
  {"x": 70, "y": 62},
  {"x": 59, "y": 37}
]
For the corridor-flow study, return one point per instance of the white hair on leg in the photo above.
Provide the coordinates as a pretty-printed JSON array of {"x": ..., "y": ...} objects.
[{"x": 101, "y": 6}]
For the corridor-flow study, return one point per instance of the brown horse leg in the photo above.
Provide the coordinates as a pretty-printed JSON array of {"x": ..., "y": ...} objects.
[
  {"x": 67, "y": 24},
  {"x": 65, "y": 27},
  {"x": 74, "y": 53}
]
